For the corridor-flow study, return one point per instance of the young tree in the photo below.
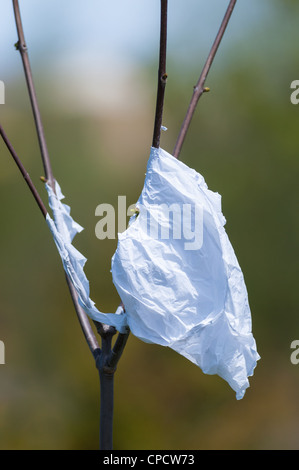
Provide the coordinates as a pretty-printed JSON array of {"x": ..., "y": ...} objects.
[{"x": 107, "y": 355}]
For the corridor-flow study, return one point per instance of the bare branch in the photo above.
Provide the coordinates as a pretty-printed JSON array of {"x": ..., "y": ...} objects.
[
  {"x": 162, "y": 76},
  {"x": 22, "y": 47},
  {"x": 24, "y": 172},
  {"x": 199, "y": 89},
  {"x": 83, "y": 320}
]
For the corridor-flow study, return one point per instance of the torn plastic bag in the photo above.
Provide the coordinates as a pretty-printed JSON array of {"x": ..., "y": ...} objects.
[
  {"x": 178, "y": 277},
  {"x": 63, "y": 229}
]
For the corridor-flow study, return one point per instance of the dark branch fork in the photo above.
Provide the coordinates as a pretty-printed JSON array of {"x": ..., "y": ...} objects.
[{"x": 106, "y": 359}]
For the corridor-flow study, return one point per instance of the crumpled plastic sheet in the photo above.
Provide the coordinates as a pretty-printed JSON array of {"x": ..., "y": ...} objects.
[
  {"x": 64, "y": 229},
  {"x": 191, "y": 298},
  {"x": 186, "y": 294}
]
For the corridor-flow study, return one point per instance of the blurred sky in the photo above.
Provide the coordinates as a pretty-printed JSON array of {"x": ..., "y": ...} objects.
[
  {"x": 102, "y": 43},
  {"x": 123, "y": 29}
]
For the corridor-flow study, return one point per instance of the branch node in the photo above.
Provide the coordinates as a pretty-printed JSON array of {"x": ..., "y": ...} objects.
[
  {"x": 103, "y": 366},
  {"x": 20, "y": 46},
  {"x": 105, "y": 331},
  {"x": 164, "y": 78}
]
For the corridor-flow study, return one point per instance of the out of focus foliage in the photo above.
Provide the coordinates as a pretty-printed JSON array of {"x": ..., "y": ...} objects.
[{"x": 244, "y": 140}]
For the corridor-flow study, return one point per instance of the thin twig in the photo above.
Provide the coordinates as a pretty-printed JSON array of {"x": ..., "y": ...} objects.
[
  {"x": 83, "y": 320},
  {"x": 162, "y": 76},
  {"x": 21, "y": 46},
  {"x": 24, "y": 172},
  {"x": 199, "y": 89}
]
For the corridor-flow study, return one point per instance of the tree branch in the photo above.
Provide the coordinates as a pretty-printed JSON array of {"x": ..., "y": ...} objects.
[
  {"x": 83, "y": 320},
  {"x": 24, "y": 172},
  {"x": 199, "y": 88},
  {"x": 22, "y": 47},
  {"x": 162, "y": 76}
]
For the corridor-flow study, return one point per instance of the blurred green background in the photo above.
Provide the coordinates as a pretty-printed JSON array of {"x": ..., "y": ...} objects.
[{"x": 98, "y": 117}]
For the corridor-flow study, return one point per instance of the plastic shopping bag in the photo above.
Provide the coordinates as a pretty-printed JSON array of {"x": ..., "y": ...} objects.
[
  {"x": 178, "y": 277},
  {"x": 175, "y": 271}
]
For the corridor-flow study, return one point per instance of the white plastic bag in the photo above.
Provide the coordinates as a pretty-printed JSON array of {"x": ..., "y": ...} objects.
[
  {"x": 187, "y": 294},
  {"x": 63, "y": 229},
  {"x": 175, "y": 271}
]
